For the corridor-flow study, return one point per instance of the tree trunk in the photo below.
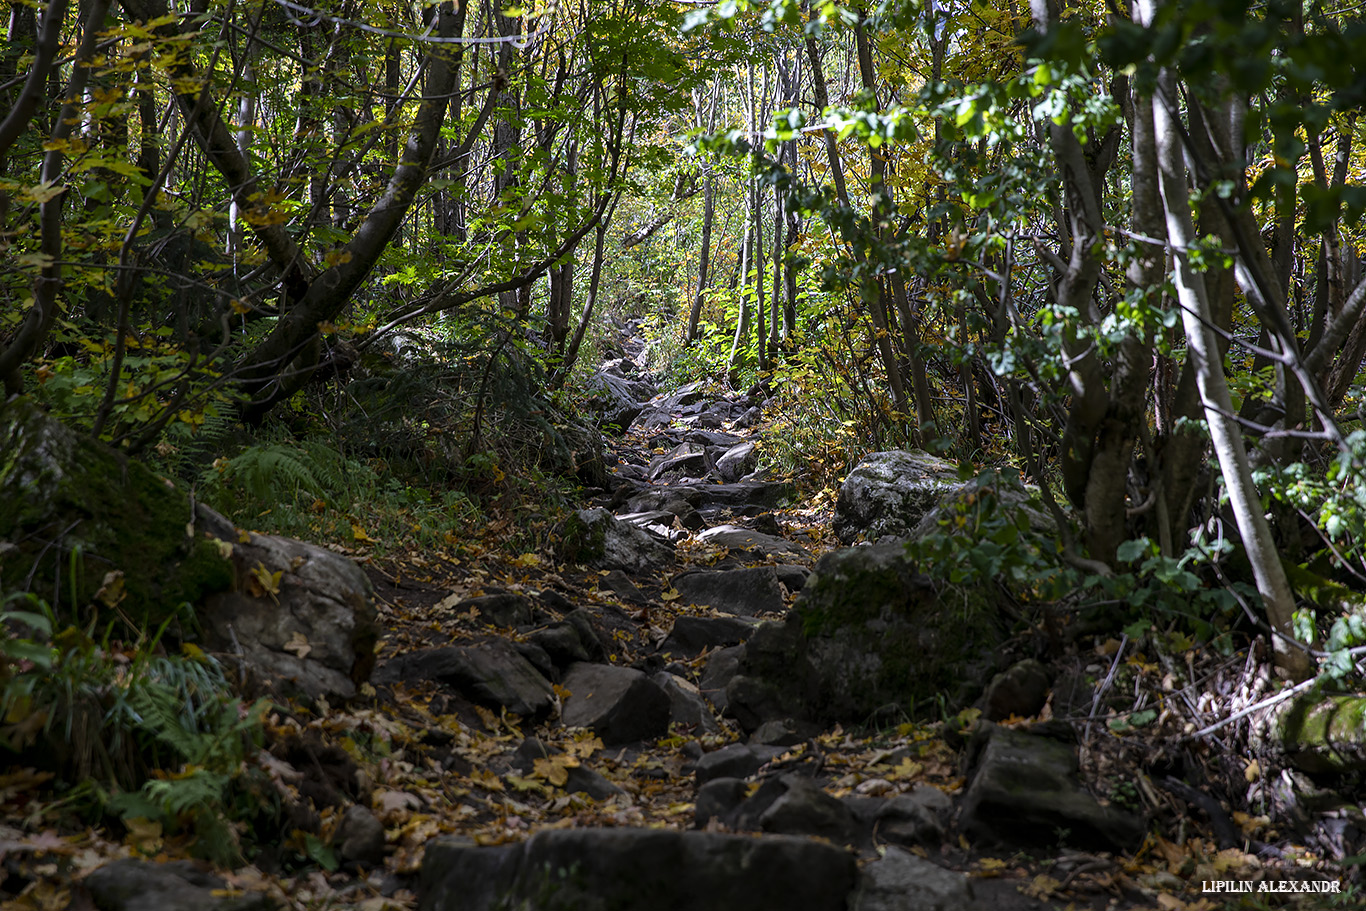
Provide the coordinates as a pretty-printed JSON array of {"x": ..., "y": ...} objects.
[{"x": 1205, "y": 358}]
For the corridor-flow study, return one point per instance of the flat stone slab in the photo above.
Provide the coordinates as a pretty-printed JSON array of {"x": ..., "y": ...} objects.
[
  {"x": 752, "y": 543},
  {"x": 743, "y": 592},
  {"x": 638, "y": 870}
]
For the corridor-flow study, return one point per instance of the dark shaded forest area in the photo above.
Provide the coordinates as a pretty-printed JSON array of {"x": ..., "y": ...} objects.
[{"x": 682, "y": 455}]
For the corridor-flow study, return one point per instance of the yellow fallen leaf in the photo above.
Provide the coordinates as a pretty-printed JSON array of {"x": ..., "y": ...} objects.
[
  {"x": 193, "y": 652},
  {"x": 262, "y": 581},
  {"x": 1252, "y": 771},
  {"x": 670, "y": 595},
  {"x": 527, "y": 559},
  {"x": 359, "y": 534},
  {"x": 1041, "y": 887}
]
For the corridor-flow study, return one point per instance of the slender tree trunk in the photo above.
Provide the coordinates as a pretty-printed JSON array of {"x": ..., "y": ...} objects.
[
  {"x": 703, "y": 260},
  {"x": 1203, "y": 351}
]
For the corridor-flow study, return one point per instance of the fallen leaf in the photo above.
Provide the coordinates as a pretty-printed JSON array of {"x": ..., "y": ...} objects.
[{"x": 298, "y": 644}]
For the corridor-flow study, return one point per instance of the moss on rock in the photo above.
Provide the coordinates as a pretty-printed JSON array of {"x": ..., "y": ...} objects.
[
  {"x": 73, "y": 510},
  {"x": 869, "y": 631},
  {"x": 1325, "y": 733}
]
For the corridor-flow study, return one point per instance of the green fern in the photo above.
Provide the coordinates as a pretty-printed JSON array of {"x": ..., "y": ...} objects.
[{"x": 273, "y": 473}]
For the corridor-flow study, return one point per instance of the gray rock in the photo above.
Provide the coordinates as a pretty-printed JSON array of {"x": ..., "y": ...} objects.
[
  {"x": 657, "y": 522},
  {"x": 620, "y": 704},
  {"x": 137, "y": 885},
  {"x": 685, "y": 458},
  {"x": 360, "y": 837},
  {"x": 1024, "y": 790},
  {"x": 717, "y": 799},
  {"x": 994, "y": 491},
  {"x": 1020, "y": 691},
  {"x": 805, "y": 809},
  {"x": 868, "y": 631},
  {"x": 713, "y": 438},
  {"x": 596, "y": 537},
  {"x": 914, "y": 819},
  {"x": 780, "y": 732},
  {"x": 614, "y": 399},
  {"x": 747, "y": 543},
  {"x": 742, "y": 493},
  {"x": 900, "y": 881},
  {"x": 315, "y": 636},
  {"x": 620, "y": 584},
  {"x": 561, "y": 642},
  {"x": 744, "y": 592},
  {"x": 737, "y": 760},
  {"x": 751, "y": 418},
  {"x": 792, "y": 576},
  {"x": 888, "y": 493},
  {"x": 686, "y": 705},
  {"x": 721, "y": 668},
  {"x": 637, "y": 870},
  {"x": 752, "y": 701},
  {"x": 491, "y": 673},
  {"x": 737, "y": 461},
  {"x": 690, "y": 636},
  {"x": 503, "y": 610}
]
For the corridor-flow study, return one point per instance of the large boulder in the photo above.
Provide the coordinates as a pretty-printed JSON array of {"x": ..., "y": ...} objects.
[
  {"x": 141, "y": 885},
  {"x": 299, "y": 619},
  {"x": 1024, "y": 790},
  {"x": 596, "y": 537},
  {"x": 637, "y": 870},
  {"x": 888, "y": 493},
  {"x": 743, "y": 592},
  {"x": 616, "y": 400},
  {"x": 620, "y": 704},
  {"x": 868, "y": 630},
  {"x": 70, "y": 507},
  {"x": 492, "y": 673}
]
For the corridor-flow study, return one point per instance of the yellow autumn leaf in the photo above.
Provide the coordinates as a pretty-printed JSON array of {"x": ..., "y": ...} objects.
[
  {"x": 555, "y": 769},
  {"x": 907, "y": 768},
  {"x": 670, "y": 595},
  {"x": 267, "y": 581},
  {"x": 527, "y": 560},
  {"x": 585, "y": 746},
  {"x": 1252, "y": 771},
  {"x": 193, "y": 652},
  {"x": 1041, "y": 887},
  {"x": 359, "y": 534}
]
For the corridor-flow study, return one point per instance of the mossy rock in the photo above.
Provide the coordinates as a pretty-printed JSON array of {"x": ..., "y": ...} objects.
[
  {"x": 869, "y": 631},
  {"x": 1324, "y": 733},
  {"x": 72, "y": 511},
  {"x": 583, "y": 537}
]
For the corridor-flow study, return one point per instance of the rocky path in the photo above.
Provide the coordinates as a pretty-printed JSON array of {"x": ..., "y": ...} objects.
[{"x": 666, "y": 708}]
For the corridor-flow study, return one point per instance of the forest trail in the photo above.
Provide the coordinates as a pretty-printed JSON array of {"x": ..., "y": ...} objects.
[{"x": 719, "y": 554}]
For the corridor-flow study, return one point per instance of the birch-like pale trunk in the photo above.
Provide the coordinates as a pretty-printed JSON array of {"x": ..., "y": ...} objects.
[{"x": 1203, "y": 351}]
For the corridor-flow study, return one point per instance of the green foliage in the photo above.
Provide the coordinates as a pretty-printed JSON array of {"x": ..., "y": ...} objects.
[
  {"x": 155, "y": 736},
  {"x": 993, "y": 530},
  {"x": 289, "y": 473}
]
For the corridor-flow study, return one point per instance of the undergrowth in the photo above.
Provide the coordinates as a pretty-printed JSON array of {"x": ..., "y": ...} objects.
[{"x": 130, "y": 732}]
